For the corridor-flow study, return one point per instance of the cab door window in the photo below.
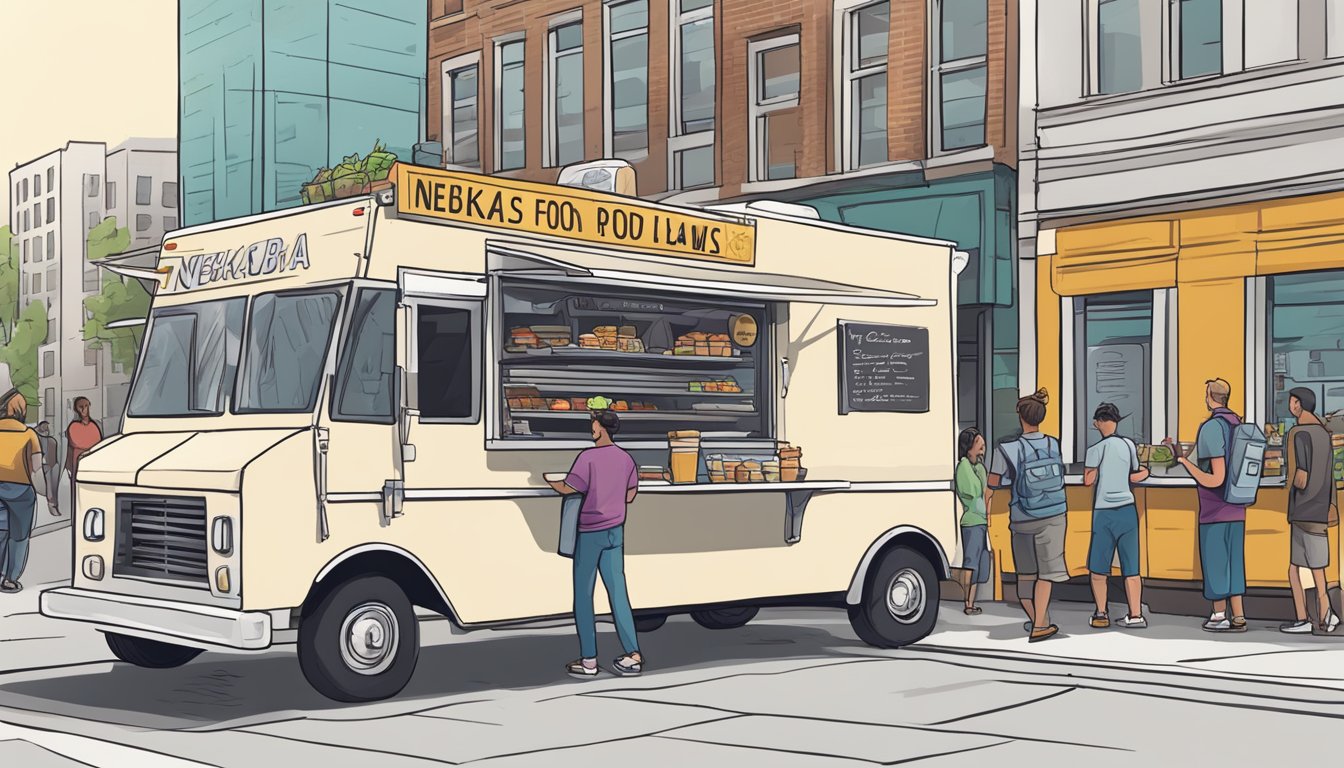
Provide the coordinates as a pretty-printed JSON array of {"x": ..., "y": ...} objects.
[
  {"x": 366, "y": 368},
  {"x": 447, "y": 381}
]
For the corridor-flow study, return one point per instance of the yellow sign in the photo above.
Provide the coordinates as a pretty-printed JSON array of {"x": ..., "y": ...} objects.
[
  {"x": 743, "y": 330},
  {"x": 573, "y": 213}
]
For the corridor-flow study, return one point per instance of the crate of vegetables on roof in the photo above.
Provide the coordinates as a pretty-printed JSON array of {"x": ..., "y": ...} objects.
[{"x": 352, "y": 177}]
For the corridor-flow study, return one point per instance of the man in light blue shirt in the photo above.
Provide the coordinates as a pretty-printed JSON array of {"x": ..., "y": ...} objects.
[{"x": 1112, "y": 464}]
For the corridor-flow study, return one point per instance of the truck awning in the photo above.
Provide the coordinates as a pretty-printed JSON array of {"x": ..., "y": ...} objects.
[{"x": 553, "y": 264}]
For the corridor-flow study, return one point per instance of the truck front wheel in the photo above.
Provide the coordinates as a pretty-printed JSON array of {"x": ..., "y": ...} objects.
[
  {"x": 150, "y": 654},
  {"x": 900, "y": 600},
  {"x": 361, "y": 641}
]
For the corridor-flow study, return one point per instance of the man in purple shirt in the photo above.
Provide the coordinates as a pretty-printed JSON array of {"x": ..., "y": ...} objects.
[
  {"x": 1222, "y": 526},
  {"x": 607, "y": 478}
]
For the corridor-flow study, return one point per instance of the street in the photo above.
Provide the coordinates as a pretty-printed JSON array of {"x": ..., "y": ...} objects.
[{"x": 795, "y": 687}]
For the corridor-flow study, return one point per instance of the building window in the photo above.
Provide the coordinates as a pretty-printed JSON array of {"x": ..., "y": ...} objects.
[
  {"x": 627, "y": 62},
  {"x": 960, "y": 74},
  {"x": 1119, "y": 47},
  {"x": 776, "y": 119},
  {"x": 27, "y": 220},
  {"x": 692, "y": 105},
  {"x": 1306, "y": 341},
  {"x": 37, "y": 282},
  {"x": 93, "y": 184},
  {"x": 144, "y": 190},
  {"x": 461, "y": 140},
  {"x": 1197, "y": 39},
  {"x": 37, "y": 212},
  {"x": 111, "y": 198},
  {"x": 51, "y": 179},
  {"x": 170, "y": 194},
  {"x": 37, "y": 185},
  {"x": 1113, "y": 353},
  {"x": 1334, "y": 28},
  {"x": 143, "y": 222},
  {"x": 93, "y": 219},
  {"x": 510, "y": 132},
  {"x": 53, "y": 277},
  {"x": 90, "y": 278},
  {"x": 169, "y": 223},
  {"x": 49, "y": 363},
  {"x": 51, "y": 245},
  {"x": 564, "y": 94},
  {"x": 49, "y": 403},
  {"x": 51, "y": 209},
  {"x": 863, "y": 87},
  {"x": 90, "y": 357},
  {"x": 23, "y": 187}
]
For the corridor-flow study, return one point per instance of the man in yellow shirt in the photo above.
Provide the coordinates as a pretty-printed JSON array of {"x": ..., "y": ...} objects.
[{"x": 21, "y": 480}]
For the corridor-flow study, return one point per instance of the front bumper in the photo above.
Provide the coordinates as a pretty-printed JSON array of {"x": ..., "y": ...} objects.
[{"x": 171, "y": 621}]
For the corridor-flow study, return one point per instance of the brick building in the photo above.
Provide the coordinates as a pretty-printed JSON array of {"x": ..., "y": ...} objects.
[{"x": 854, "y": 107}]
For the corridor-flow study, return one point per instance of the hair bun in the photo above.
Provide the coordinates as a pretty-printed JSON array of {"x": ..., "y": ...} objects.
[{"x": 1041, "y": 396}]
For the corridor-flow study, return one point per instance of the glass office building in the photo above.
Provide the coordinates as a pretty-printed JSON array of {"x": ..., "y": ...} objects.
[{"x": 272, "y": 90}]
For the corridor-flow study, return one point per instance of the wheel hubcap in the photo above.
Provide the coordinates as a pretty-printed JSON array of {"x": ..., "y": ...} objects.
[
  {"x": 369, "y": 638},
  {"x": 906, "y": 595}
]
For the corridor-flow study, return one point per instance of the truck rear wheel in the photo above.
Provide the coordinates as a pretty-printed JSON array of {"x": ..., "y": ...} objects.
[
  {"x": 150, "y": 654},
  {"x": 649, "y": 623},
  {"x": 361, "y": 641},
  {"x": 725, "y": 618},
  {"x": 899, "y": 605}
]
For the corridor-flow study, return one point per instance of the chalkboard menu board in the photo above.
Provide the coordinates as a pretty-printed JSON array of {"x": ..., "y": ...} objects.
[{"x": 883, "y": 368}]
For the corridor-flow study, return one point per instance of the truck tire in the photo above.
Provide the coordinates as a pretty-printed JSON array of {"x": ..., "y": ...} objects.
[
  {"x": 899, "y": 605},
  {"x": 650, "y": 623},
  {"x": 725, "y": 618},
  {"x": 361, "y": 641},
  {"x": 150, "y": 654}
]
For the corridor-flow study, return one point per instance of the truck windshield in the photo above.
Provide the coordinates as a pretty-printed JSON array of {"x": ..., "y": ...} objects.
[
  {"x": 190, "y": 358},
  {"x": 287, "y": 339}
]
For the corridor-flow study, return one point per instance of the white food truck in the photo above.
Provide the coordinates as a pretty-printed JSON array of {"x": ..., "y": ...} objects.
[{"x": 344, "y": 412}]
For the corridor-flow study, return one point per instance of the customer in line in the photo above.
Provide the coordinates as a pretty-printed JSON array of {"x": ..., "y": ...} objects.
[
  {"x": 1111, "y": 466},
  {"x": 1222, "y": 525},
  {"x": 81, "y": 436},
  {"x": 1033, "y": 467},
  {"x": 608, "y": 479},
  {"x": 51, "y": 466},
  {"x": 21, "y": 481},
  {"x": 974, "y": 493},
  {"x": 1310, "y": 503}
]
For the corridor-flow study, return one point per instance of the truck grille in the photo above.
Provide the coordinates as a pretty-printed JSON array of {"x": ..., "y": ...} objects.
[{"x": 162, "y": 538}]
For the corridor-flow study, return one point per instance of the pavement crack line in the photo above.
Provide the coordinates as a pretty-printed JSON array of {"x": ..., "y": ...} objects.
[
  {"x": 23, "y": 639},
  {"x": 600, "y": 742},
  {"x": 1208, "y": 702},
  {"x": 453, "y": 719},
  {"x": 1005, "y": 707},
  {"x": 346, "y": 747},
  {"x": 932, "y": 755},
  {"x": 78, "y": 743},
  {"x": 1252, "y": 655},
  {"x": 841, "y": 721},
  {"x": 757, "y": 747},
  {"x": 718, "y": 678}
]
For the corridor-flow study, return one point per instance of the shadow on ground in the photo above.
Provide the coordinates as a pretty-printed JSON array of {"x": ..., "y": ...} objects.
[{"x": 225, "y": 690}]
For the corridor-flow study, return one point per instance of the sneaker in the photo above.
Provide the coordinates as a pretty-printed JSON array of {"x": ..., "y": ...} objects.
[
  {"x": 1133, "y": 622},
  {"x": 1100, "y": 621},
  {"x": 627, "y": 666},
  {"x": 10, "y": 587},
  {"x": 1217, "y": 625},
  {"x": 1330, "y": 624},
  {"x": 577, "y": 669},
  {"x": 1043, "y": 633},
  {"x": 1302, "y": 627}
]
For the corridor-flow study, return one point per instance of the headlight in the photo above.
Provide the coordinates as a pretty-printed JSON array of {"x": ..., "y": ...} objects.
[
  {"x": 93, "y": 525},
  {"x": 221, "y": 535}
]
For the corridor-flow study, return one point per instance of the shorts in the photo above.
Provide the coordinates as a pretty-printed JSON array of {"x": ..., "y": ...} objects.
[
  {"x": 1307, "y": 549},
  {"x": 975, "y": 552},
  {"x": 1114, "y": 529},
  {"x": 1038, "y": 550},
  {"x": 1222, "y": 556}
]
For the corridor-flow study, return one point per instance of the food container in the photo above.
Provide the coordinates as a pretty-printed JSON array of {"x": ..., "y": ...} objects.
[{"x": 771, "y": 471}]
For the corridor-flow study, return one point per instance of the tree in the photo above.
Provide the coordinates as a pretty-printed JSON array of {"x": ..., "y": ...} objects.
[
  {"x": 20, "y": 354},
  {"x": 9, "y": 282},
  {"x": 118, "y": 299}
]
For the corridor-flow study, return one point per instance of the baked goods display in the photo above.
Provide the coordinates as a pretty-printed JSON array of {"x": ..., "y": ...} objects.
[
  {"x": 703, "y": 344},
  {"x": 784, "y": 466},
  {"x": 728, "y": 385}
]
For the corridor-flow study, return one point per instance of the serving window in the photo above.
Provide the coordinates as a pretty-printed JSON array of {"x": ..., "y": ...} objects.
[{"x": 666, "y": 363}]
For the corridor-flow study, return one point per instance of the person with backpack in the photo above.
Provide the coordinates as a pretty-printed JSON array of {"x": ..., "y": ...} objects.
[
  {"x": 1310, "y": 507},
  {"x": 1032, "y": 466},
  {"x": 1112, "y": 464},
  {"x": 1226, "y": 471}
]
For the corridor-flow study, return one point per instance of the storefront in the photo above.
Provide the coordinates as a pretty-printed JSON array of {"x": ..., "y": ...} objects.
[{"x": 1141, "y": 312}]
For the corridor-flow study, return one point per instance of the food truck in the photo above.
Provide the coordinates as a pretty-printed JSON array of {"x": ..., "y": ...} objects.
[{"x": 344, "y": 413}]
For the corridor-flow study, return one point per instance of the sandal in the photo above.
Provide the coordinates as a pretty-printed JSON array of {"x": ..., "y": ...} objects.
[
  {"x": 972, "y": 610},
  {"x": 577, "y": 669},
  {"x": 627, "y": 666},
  {"x": 1041, "y": 633}
]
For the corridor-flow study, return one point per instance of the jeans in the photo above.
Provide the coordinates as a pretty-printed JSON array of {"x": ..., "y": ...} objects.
[
  {"x": 602, "y": 552},
  {"x": 17, "y": 504}
]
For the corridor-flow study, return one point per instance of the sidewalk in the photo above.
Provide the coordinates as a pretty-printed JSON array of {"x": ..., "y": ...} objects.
[{"x": 1170, "y": 643}]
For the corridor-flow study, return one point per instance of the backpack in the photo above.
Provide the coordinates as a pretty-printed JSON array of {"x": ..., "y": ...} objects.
[
  {"x": 1038, "y": 484},
  {"x": 1244, "y": 454}
]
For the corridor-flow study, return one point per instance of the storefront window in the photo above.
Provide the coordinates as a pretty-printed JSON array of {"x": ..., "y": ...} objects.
[
  {"x": 1306, "y": 331},
  {"x": 1113, "y": 353},
  {"x": 1003, "y": 376},
  {"x": 667, "y": 363}
]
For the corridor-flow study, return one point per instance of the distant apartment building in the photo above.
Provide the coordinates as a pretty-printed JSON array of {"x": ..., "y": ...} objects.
[
  {"x": 55, "y": 201},
  {"x": 272, "y": 91},
  {"x": 894, "y": 115}
]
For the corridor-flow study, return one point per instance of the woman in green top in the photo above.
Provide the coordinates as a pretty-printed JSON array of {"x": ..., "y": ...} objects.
[{"x": 974, "y": 493}]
